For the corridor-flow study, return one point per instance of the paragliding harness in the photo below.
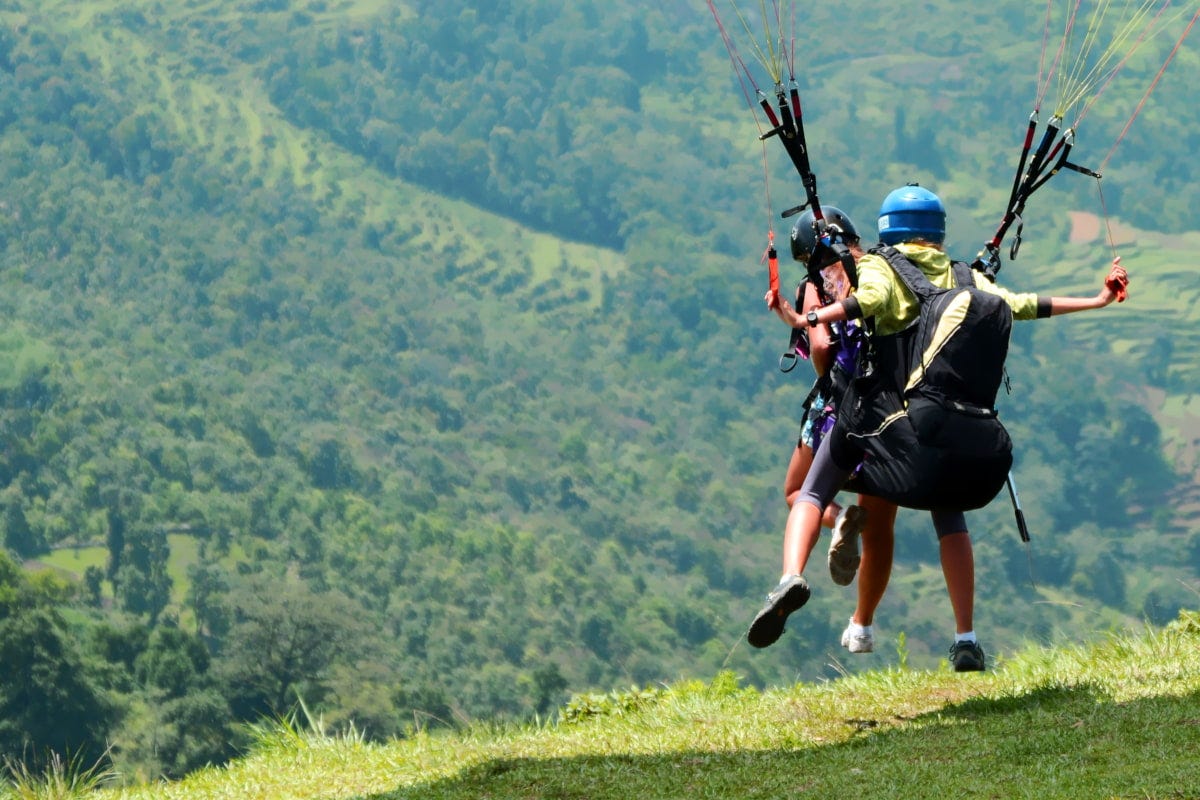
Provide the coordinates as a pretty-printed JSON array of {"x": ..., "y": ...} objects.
[
  {"x": 848, "y": 341},
  {"x": 920, "y": 416},
  {"x": 828, "y": 391},
  {"x": 829, "y": 248}
]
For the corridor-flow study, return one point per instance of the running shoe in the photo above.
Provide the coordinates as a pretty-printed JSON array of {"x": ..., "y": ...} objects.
[
  {"x": 862, "y": 642},
  {"x": 791, "y": 593},
  {"x": 843, "y": 550},
  {"x": 967, "y": 657}
]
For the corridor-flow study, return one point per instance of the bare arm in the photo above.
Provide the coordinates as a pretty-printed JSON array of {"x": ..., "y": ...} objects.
[
  {"x": 820, "y": 338},
  {"x": 1112, "y": 289},
  {"x": 835, "y": 312}
]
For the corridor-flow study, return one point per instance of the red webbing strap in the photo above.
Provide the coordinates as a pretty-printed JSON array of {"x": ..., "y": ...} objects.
[{"x": 771, "y": 256}]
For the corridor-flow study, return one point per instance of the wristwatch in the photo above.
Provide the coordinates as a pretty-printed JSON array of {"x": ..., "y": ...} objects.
[{"x": 811, "y": 317}]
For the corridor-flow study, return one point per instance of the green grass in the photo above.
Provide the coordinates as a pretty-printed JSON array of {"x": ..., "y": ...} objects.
[
  {"x": 61, "y": 779},
  {"x": 1117, "y": 718},
  {"x": 184, "y": 554},
  {"x": 74, "y": 561}
]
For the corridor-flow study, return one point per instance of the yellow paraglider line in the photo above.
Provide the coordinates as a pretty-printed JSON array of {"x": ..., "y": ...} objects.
[
  {"x": 1081, "y": 74},
  {"x": 773, "y": 58}
]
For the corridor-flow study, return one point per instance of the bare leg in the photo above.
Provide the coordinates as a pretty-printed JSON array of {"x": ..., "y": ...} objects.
[
  {"x": 958, "y": 568},
  {"x": 792, "y": 592},
  {"x": 878, "y": 546},
  {"x": 803, "y": 530},
  {"x": 818, "y": 490},
  {"x": 799, "y": 540}
]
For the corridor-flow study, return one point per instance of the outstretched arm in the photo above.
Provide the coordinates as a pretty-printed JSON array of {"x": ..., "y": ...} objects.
[
  {"x": 834, "y": 312},
  {"x": 1113, "y": 289}
]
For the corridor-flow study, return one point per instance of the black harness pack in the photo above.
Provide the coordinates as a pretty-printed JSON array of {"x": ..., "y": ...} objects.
[{"x": 920, "y": 420}]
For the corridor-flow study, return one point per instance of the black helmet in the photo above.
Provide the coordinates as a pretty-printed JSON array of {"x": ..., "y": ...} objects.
[{"x": 804, "y": 232}]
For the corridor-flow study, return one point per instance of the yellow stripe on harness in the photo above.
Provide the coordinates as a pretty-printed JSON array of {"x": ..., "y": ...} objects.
[{"x": 948, "y": 324}]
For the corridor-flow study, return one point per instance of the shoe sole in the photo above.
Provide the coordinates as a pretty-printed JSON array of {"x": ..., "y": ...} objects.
[
  {"x": 768, "y": 625},
  {"x": 844, "y": 556}
]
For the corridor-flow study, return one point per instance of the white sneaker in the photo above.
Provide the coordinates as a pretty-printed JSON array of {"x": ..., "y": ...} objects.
[
  {"x": 861, "y": 642},
  {"x": 843, "y": 550}
]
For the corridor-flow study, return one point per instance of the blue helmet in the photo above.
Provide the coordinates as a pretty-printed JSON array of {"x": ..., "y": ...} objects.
[{"x": 912, "y": 212}]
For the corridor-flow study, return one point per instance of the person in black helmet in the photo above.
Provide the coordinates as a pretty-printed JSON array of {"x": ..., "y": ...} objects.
[
  {"x": 913, "y": 220},
  {"x": 833, "y": 352}
]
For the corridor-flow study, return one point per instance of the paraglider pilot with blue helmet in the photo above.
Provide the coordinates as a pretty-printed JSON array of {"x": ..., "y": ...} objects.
[{"x": 912, "y": 220}]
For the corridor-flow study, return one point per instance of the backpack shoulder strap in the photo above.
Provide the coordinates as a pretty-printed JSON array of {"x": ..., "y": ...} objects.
[
  {"x": 909, "y": 274},
  {"x": 964, "y": 276}
]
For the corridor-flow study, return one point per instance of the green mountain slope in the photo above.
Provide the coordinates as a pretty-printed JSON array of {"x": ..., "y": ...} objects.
[{"x": 455, "y": 313}]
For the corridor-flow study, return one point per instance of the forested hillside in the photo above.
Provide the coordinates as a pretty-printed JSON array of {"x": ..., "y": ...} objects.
[{"x": 411, "y": 360}]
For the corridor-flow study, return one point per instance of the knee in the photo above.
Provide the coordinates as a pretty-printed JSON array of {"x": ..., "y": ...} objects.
[{"x": 951, "y": 523}]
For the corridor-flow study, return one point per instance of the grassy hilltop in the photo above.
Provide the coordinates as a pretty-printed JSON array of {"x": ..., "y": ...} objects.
[{"x": 1116, "y": 718}]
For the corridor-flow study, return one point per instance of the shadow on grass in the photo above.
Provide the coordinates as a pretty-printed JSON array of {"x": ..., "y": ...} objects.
[{"x": 1067, "y": 742}]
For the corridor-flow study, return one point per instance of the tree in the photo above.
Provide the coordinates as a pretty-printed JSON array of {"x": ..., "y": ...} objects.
[
  {"x": 548, "y": 687},
  {"x": 284, "y": 638},
  {"x": 143, "y": 584},
  {"x": 93, "y": 582},
  {"x": 48, "y": 699},
  {"x": 174, "y": 662},
  {"x": 209, "y": 586},
  {"x": 198, "y": 730},
  {"x": 19, "y": 537},
  {"x": 332, "y": 466}
]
